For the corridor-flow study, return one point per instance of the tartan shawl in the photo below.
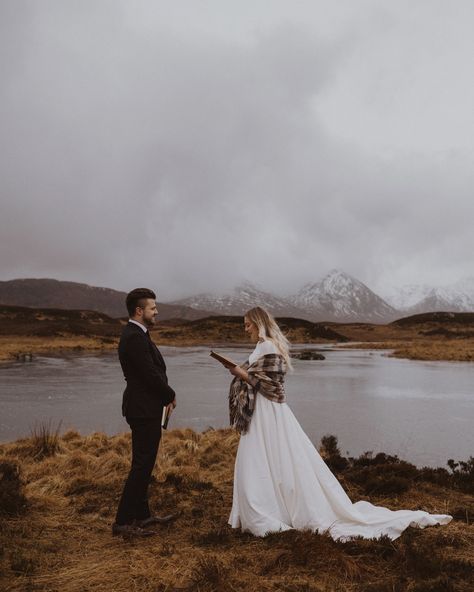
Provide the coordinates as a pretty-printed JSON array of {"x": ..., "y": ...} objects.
[{"x": 266, "y": 376}]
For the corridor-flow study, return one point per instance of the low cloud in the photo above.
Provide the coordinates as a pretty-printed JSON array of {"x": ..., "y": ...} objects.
[{"x": 139, "y": 150}]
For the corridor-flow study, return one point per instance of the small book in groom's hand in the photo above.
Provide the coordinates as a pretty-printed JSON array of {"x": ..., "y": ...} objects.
[
  {"x": 223, "y": 360},
  {"x": 165, "y": 417}
]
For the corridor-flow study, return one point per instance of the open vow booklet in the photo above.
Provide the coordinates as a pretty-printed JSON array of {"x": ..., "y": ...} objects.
[{"x": 223, "y": 360}]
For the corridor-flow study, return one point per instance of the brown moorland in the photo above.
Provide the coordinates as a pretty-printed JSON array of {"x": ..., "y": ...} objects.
[
  {"x": 431, "y": 336},
  {"x": 58, "y": 495},
  {"x": 56, "y": 332}
]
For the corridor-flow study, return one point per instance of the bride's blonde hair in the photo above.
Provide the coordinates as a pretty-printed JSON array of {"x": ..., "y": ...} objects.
[{"x": 268, "y": 329}]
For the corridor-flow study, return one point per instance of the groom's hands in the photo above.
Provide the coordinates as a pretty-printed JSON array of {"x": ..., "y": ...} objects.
[{"x": 171, "y": 406}]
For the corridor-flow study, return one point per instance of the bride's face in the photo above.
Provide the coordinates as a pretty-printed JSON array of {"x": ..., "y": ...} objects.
[{"x": 251, "y": 329}]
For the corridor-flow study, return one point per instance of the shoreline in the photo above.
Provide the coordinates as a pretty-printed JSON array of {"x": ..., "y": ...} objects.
[
  {"x": 13, "y": 351},
  {"x": 13, "y": 347},
  {"x": 16, "y": 349},
  {"x": 85, "y": 435},
  {"x": 431, "y": 336},
  {"x": 422, "y": 351}
]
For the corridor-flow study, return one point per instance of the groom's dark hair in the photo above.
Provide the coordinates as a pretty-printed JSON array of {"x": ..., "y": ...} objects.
[{"x": 136, "y": 297}]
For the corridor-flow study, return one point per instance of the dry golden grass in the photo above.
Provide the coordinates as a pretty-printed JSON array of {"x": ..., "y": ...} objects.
[
  {"x": 13, "y": 346},
  {"x": 433, "y": 336},
  {"x": 459, "y": 350},
  {"x": 61, "y": 540}
]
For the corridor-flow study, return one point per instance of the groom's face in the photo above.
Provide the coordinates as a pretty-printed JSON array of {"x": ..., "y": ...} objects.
[{"x": 148, "y": 312}]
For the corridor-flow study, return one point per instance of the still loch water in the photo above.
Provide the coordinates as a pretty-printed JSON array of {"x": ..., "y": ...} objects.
[{"x": 422, "y": 411}]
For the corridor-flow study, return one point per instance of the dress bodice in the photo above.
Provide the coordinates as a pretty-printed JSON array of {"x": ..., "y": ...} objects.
[{"x": 262, "y": 349}]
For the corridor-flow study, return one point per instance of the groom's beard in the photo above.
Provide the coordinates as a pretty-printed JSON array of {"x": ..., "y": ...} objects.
[{"x": 149, "y": 322}]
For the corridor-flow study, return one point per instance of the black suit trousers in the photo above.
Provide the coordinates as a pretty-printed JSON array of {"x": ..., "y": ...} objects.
[{"x": 146, "y": 434}]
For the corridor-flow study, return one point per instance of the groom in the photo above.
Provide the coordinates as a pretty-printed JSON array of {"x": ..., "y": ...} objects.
[{"x": 145, "y": 395}]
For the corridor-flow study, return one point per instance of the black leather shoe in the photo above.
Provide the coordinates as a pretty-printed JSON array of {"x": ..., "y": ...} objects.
[
  {"x": 130, "y": 530},
  {"x": 152, "y": 520}
]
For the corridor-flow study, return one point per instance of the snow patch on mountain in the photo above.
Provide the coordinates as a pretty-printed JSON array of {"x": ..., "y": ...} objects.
[
  {"x": 240, "y": 300},
  {"x": 339, "y": 296},
  {"x": 406, "y": 296},
  {"x": 457, "y": 297}
]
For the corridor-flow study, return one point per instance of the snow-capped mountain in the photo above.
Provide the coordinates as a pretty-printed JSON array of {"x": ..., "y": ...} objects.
[
  {"x": 406, "y": 296},
  {"x": 340, "y": 297},
  {"x": 337, "y": 297},
  {"x": 241, "y": 299},
  {"x": 457, "y": 297}
]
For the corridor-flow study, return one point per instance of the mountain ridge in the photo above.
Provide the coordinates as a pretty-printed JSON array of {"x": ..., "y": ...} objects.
[
  {"x": 337, "y": 297},
  {"x": 52, "y": 293}
]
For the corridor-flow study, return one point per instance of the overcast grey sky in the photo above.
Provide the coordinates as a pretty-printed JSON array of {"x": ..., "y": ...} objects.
[{"x": 188, "y": 145}]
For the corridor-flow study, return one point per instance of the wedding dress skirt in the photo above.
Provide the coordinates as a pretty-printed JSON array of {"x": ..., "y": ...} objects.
[{"x": 281, "y": 482}]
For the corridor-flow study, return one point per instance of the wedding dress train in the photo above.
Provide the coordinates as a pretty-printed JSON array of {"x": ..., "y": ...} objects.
[{"x": 281, "y": 482}]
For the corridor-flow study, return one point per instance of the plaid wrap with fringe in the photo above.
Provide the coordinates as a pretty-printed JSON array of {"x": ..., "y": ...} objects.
[{"x": 266, "y": 376}]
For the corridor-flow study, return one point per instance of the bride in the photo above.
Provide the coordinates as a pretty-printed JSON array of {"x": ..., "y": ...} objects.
[{"x": 280, "y": 480}]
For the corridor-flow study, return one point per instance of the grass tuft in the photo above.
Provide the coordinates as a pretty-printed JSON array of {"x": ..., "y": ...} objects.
[{"x": 45, "y": 439}]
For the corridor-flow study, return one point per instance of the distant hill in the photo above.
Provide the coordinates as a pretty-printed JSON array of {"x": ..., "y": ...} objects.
[
  {"x": 49, "y": 322},
  {"x": 460, "y": 324},
  {"x": 229, "y": 329},
  {"x": 446, "y": 325},
  {"x": 54, "y": 322},
  {"x": 51, "y": 293},
  {"x": 450, "y": 318}
]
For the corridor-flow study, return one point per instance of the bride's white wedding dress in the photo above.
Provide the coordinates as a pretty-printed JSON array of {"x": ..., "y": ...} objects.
[{"x": 281, "y": 482}]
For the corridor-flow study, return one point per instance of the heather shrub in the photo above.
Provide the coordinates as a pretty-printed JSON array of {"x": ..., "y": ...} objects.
[{"x": 12, "y": 500}]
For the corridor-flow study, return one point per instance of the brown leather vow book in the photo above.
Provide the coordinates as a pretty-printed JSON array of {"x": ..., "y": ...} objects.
[{"x": 223, "y": 360}]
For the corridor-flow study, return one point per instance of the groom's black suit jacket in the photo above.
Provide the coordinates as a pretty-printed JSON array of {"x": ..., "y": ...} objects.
[{"x": 147, "y": 390}]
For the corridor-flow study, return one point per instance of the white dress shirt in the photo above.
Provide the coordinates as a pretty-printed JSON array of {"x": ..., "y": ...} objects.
[{"x": 145, "y": 330}]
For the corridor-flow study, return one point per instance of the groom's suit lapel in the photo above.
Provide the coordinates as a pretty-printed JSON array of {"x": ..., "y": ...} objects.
[{"x": 155, "y": 352}]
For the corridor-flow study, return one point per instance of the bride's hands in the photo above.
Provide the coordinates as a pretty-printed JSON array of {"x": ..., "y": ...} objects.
[{"x": 239, "y": 372}]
